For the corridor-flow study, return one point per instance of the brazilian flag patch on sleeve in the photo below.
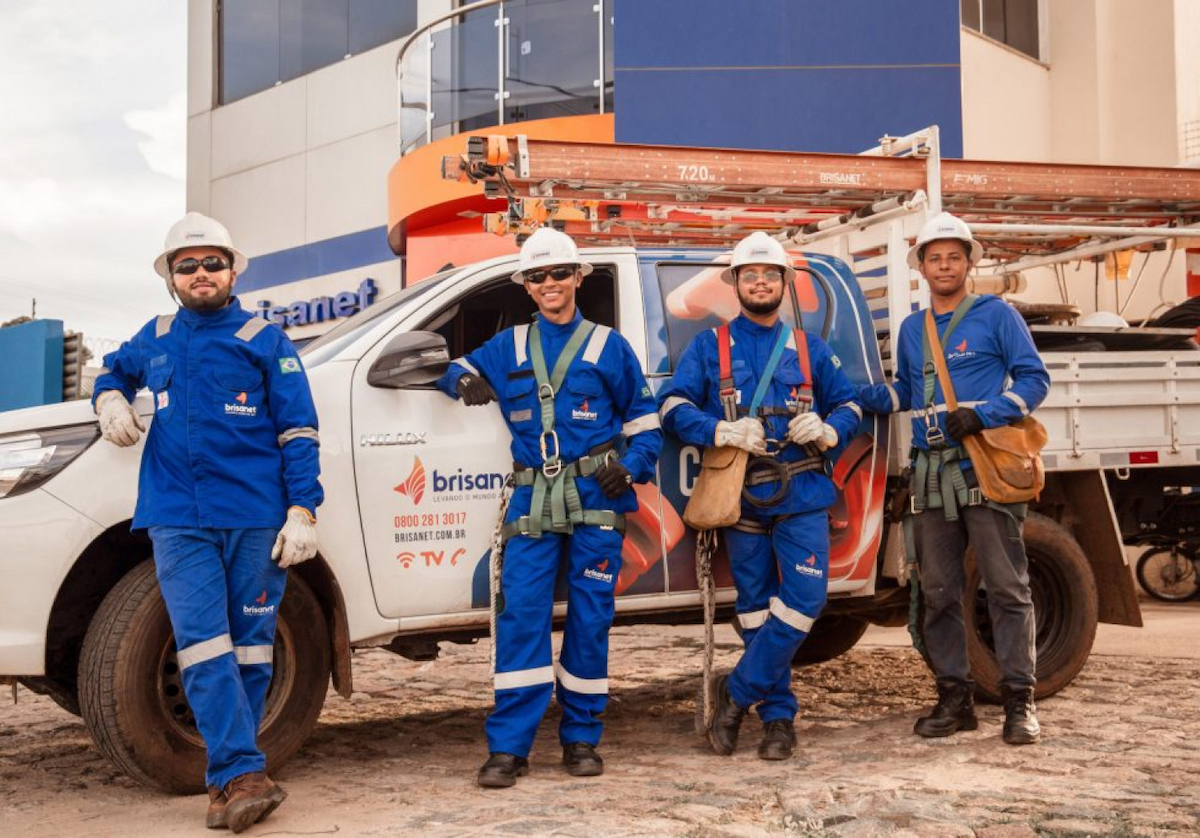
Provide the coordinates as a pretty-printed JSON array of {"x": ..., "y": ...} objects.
[{"x": 289, "y": 365}]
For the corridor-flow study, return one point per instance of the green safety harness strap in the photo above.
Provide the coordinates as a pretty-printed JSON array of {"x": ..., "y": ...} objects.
[{"x": 555, "y": 505}]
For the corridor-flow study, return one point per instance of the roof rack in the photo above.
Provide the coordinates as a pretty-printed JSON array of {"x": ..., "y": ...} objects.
[{"x": 1025, "y": 214}]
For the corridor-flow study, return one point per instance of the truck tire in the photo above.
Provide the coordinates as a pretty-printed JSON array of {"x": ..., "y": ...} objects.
[
  {"x": 831, "y": 635},
  {"x": 131, "y": 693},
  {"x": 1065, "y": 610}
]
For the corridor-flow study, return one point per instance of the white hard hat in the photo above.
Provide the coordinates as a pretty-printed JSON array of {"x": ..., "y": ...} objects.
[
  {"x": 197, "y": 230},
  {"x": 1103, "y": 318},
  {"x": 546, "y": 247},
  {"x": 944, "y": 226},
  {"x": 758, "y": 249}
]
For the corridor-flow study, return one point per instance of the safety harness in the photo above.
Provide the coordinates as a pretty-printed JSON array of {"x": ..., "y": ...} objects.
[
  {"x": 555, "y": 506},
  {"x": 940, "y": 461},
  {"x": 768, "y": 468}
]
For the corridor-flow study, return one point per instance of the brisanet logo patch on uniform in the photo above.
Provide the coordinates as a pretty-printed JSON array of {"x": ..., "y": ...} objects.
[
  {"x": 809, "y": 567},
  {"x": 583, "y": 413},
  {"x": 241, "y": 409},
  {"x": 289, "y": 365},
  {"x": 164, "y": 399},
  {"x": 598, "y": 573},
  {"x": 259, "y": 610}
]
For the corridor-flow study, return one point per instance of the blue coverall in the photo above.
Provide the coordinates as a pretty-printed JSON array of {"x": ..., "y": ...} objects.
[
  {"x": 232, "y": 446},
  {"x": 603, "y": 397},
  {"x": 781, "y": 575},
  {"x": 996, "y": 371}
]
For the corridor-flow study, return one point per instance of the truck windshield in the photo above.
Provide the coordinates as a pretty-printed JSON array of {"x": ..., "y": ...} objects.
[{"x": 327, "y": 344}]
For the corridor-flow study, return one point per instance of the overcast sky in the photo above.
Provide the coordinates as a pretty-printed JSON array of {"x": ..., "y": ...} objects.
[{"x": 92, "y": 158}]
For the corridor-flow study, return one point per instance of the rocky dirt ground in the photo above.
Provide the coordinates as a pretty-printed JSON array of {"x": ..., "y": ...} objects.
[{"x": 1119, "y": 757}]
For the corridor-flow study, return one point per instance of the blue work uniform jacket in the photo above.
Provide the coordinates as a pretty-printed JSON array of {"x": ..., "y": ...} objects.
[
  {"x": 603, "y": 398},
  {"x": 233, "y": 442},
  {"x": 993, "y": 364},
  {"x": 690, "y": 404}
]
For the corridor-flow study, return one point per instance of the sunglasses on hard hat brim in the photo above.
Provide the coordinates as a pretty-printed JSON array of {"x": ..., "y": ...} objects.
[
  {"x": 211, "y": 264},
  {"x": 559, "y": 273}
]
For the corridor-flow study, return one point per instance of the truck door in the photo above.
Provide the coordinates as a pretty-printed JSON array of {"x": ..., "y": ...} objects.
[
  {"x": 430, "y": 470},
  {"x": 692, "y": 298}
]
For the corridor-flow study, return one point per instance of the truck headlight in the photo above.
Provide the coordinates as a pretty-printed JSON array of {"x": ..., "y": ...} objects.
[{"x": 27, "y": 460}]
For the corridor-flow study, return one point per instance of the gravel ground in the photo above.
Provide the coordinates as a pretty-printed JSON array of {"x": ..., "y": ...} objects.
[{"x": 1118, "y": 758}]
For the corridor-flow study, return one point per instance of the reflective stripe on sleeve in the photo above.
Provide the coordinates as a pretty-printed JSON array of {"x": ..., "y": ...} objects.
[
  {"x": 523, "y": 678},
  {"x": 895, "y": 397},
  {"x": 853, "y": 408},
  {"x": 595, "y": 344},
  {"x": 205, "y": 650},
  {"x": 1017, "y": 400},
  {"x": 670, "y": 404},
  {"x": 753, "y": 619},
  {"x": 163, "y": 324},
  {"x": 251, "y": 328},
  {"x": 466, "y": 365},
  {"x": 584, "y": 686},
  {"x": 791, "y": 616},
  {"x": 298, "y": 433},
  {"x": 248, "y": 655},
  {"x": 649, "y": 422},
  {"x": 520, "y": 339}
]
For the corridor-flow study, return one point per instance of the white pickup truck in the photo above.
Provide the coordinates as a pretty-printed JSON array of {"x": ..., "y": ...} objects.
[{"x": 412, "y": 481}]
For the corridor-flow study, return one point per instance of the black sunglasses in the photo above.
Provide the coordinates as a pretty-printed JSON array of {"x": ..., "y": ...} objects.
[
  {"x": 211, "y": 264},
  {"x": 559, "y": 274}
]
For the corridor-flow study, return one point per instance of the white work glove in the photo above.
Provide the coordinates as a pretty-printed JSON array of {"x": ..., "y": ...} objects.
[
  {"x": 297, "y": 541},
  {"x": 745, "y": 433},
  {"x": 119, "y": 423},
  {"x": 808, "y": 427}
]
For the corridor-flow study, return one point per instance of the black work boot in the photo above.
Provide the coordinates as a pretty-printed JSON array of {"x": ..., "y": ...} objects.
[
  {"x": 727, "y": 719},
  {"x": 1020, "y": 717},
  {"x": 954, "y": 711},
  {"x": 581, "y": 760},
  {"x": 502, "y": 770},
  {"x": 779, "y": 740}
]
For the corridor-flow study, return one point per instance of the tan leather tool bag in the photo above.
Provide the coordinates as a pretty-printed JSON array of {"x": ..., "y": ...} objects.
[
  {"x": 1008, "y": 459},
  {"x": 716, "y": 499}
]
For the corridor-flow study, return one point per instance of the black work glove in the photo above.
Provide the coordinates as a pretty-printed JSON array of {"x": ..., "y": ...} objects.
[
  {"x": 614, "y": 479},
  {"x": 474, "y": 390},
  {"x": 963, "y": 422}
]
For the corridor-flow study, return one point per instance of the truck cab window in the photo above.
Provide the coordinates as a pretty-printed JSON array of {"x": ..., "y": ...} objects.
[{"x": 500, "y": 304}]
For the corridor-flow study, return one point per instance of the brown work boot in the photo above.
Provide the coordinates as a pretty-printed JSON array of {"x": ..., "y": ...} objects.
[
  {"x": 215, "y": 819},
  {"x": 251, "y": 798}
]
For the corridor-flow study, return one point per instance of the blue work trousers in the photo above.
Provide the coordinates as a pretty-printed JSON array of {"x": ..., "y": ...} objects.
[
  {"x": 782, "y": 579},
  {"x": 525, "y": 674},
  {"x": 223, "y": 594}
]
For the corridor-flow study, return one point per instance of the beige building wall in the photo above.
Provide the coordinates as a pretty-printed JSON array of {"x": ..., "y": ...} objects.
[{"x": 1119, "y": 84}]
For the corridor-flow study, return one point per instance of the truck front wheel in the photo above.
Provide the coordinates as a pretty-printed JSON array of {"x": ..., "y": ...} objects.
[
  {"x": 131, "y": 692},
  {"x": 832, "y": 635},
  {"x": 1065, "y": 609}
]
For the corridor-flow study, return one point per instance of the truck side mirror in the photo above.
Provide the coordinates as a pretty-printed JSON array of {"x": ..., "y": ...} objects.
[{"x": 410, "y": 359}]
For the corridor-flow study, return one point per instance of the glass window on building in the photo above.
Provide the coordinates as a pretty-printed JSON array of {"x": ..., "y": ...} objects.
[
  {"x": 1011, "y": 22},
  {"x": 264, "y": 42}
]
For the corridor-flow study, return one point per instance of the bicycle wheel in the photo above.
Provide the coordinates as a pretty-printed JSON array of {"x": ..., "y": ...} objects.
[{"x": 1167, "y": 574}]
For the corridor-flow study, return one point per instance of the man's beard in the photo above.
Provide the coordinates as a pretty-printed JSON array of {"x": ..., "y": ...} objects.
[
  {"x": 756, "y": 307},
  {"x": 204, "y": 304}
]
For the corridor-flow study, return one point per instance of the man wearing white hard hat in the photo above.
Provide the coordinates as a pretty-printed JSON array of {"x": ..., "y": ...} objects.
[
  {"x": 228, "y": 491},
  {"x": 998, "y": 378},
  {"x": 781, "y": 395},
  {"x": 584, "y": 430}
]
